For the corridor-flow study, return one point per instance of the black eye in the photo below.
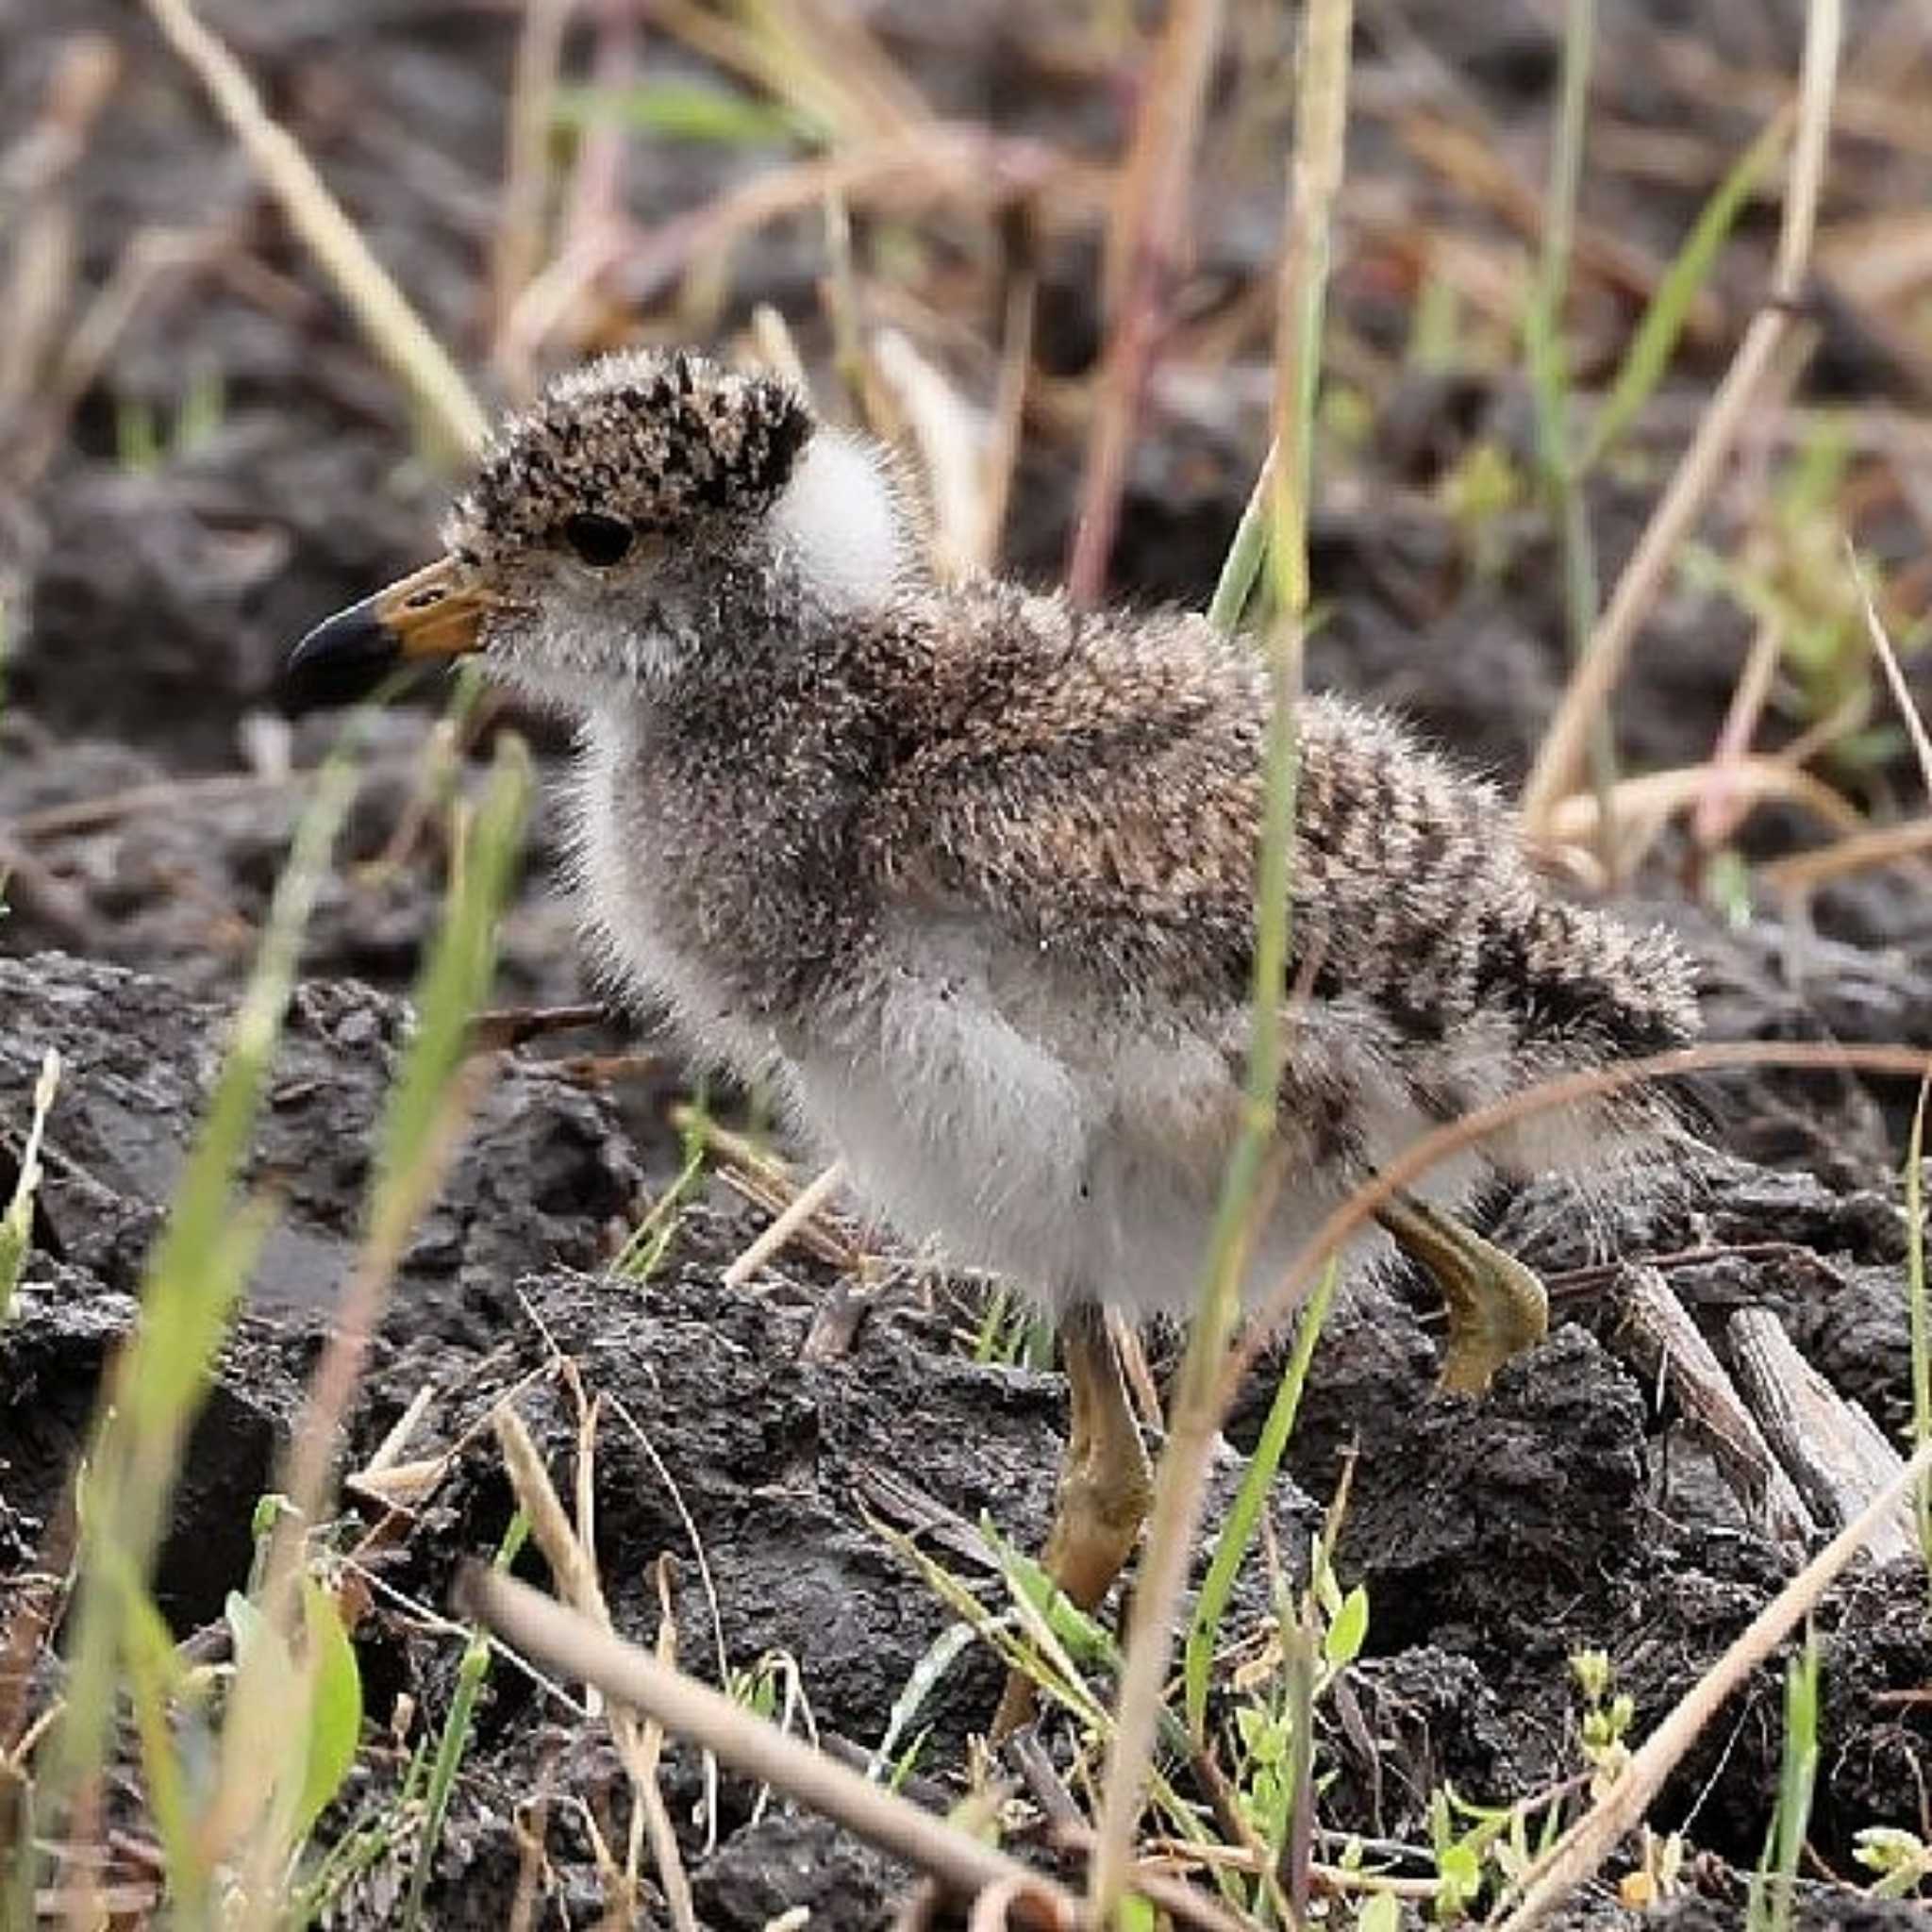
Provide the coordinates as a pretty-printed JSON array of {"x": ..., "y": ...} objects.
[{"x": 599, "y": 540}]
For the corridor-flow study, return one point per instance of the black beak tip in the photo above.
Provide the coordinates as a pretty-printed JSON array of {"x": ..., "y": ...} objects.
[{"x": 342, "y": 660}]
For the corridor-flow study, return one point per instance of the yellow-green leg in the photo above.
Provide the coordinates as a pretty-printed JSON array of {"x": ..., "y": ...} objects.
[
  {"x": 1497, "y": 1306},
  {"x": 1106, "y": 1484}
]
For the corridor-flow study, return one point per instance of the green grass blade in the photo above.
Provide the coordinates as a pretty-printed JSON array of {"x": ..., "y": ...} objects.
[
  {"x": 1549, "y": 369},
  {"x": 1241, "y": 566},
  {"x": 1920, "y": 1315},
  {"x": 334, "y": 1707},
  {"x": 1656, "y": 340},
  {"x": 1773, "y": 1885},
  {"x": 1238, "y": 1533},
  {"x": 17, "y": 1223},
  {"x": 154, "y": 1671},
  {"x": 454, "y": 1741},
  {"x": 194, "y": 1276},
  {"x": 453, "y": 985}
]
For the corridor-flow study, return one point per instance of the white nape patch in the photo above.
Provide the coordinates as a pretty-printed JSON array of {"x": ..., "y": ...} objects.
[{"x": 839, "y": 518}]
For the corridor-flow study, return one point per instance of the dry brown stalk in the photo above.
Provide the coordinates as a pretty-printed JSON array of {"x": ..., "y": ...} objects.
[
  {"x": 574, "y": 1564},
  {"x": 1895, "y": 673},
  {"x": 395, "y": 331},
  {"x": 1358, "y": 1211},
  {"x": 575, "y": 1647},
  {"x": 40, "y": 219},
  {"x": 93, "y": 814},
  {"x": 950, "y": 436},
  {"x": 1145, "y": 246},
  {"x": 901, "y": 173},
  {"x": 1001, "y": 457},
  {"x": 517, "y": 240},
  {"x": 1856, "y": 851},
  {"x": 802, "y": 1206},
  {"x": 1721, "y": 805},
  {"x": 1173, "y": 1896},
  {"x": 1560, "y": 757},
  {"x": 1746, "y": 781}
]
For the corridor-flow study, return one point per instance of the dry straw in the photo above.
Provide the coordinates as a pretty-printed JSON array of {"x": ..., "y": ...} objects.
[
  {"x": 575, "y": 1647},
  {"x": 1561, "y": 754}
]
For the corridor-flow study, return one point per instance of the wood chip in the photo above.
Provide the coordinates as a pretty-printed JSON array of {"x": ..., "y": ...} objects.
[
  {"x": 1656, "y": 1333},
  {"x": 1832, "y": 1448}
]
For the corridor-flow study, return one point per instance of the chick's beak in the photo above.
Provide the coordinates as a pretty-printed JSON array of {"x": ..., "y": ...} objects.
[{"x": 434, "y": 612}]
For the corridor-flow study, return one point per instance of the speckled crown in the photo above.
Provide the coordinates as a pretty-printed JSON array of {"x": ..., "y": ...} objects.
[{"x": 650, "y": 438}]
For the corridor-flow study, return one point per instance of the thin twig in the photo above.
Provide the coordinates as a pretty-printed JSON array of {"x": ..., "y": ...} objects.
[
  {"x": 1894, "y": 676},
  {"x": 802, "y": 1206},
  {"x": 1358, "y": 1211},
  {"x": 576, "y": 1648},
  {"x": 1721, "y": 807},
  {"x": 1855, "y": 852},
  {"x": 517, "y": 243},
  {"x": 574, "y": 1563},
  {"x": 1000, "y": 459},
  {"x": 140, "y": 801}
]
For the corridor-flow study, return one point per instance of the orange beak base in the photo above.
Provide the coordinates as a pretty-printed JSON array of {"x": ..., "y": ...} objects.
[{"x": 432, "y": 613}]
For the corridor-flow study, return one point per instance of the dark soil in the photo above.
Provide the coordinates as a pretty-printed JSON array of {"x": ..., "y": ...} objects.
[
  {"x": 145, "y": 810},
  {"x": 1495, "y": 1537}
]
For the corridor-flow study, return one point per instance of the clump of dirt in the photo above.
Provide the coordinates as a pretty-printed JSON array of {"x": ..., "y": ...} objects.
[{"x": 546, "y": 1174}]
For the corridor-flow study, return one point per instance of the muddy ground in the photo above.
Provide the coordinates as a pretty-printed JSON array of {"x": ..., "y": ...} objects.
[{"x": 145, "y": 812}]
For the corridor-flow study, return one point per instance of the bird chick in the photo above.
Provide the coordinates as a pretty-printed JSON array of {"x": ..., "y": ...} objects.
[{"x": 966, "y": 876}]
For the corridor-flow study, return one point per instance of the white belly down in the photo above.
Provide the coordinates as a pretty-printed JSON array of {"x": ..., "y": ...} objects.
[{"x": 969, "y": 1112}]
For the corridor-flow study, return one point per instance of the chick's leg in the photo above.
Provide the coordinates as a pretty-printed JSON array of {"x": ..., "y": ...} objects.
[
  {"x": 1106, "y": 1484},
  {"x": 1497, "y": 1307}
]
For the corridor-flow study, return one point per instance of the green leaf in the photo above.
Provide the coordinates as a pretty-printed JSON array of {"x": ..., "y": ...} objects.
[
  {"x": 335, "y": 1704},
  {"x": 246, "y": 1628},
  {"x": 938, "y": 1659},
  {"x": 686, "y": 110},
  {"x": 1381, "y": 1912},
  {"x": 1134, "y": 1914},
  {"x": 1341, "y": 1643}
]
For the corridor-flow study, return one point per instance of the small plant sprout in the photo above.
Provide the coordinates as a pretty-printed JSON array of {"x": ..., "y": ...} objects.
[
  {"x": 1605, "y": 1719},
  {"x": 1658, "y": 1873},
  {"x": 1773, "y": 1885},
  {"x": 455, "y": 1738},
  {"x": 1238, "y": 1533},
  {"x": 774, "y": 1689},
  {"x": 17, "y": 1223},
  {"x": 1901, "y": 1860}
]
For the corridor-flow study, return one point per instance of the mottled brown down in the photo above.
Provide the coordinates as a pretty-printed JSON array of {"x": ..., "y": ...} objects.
[{"x": 804, "y": 777}]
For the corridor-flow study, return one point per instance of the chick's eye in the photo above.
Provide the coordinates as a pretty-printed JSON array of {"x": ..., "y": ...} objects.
[{"x": 599, "y": 540}]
